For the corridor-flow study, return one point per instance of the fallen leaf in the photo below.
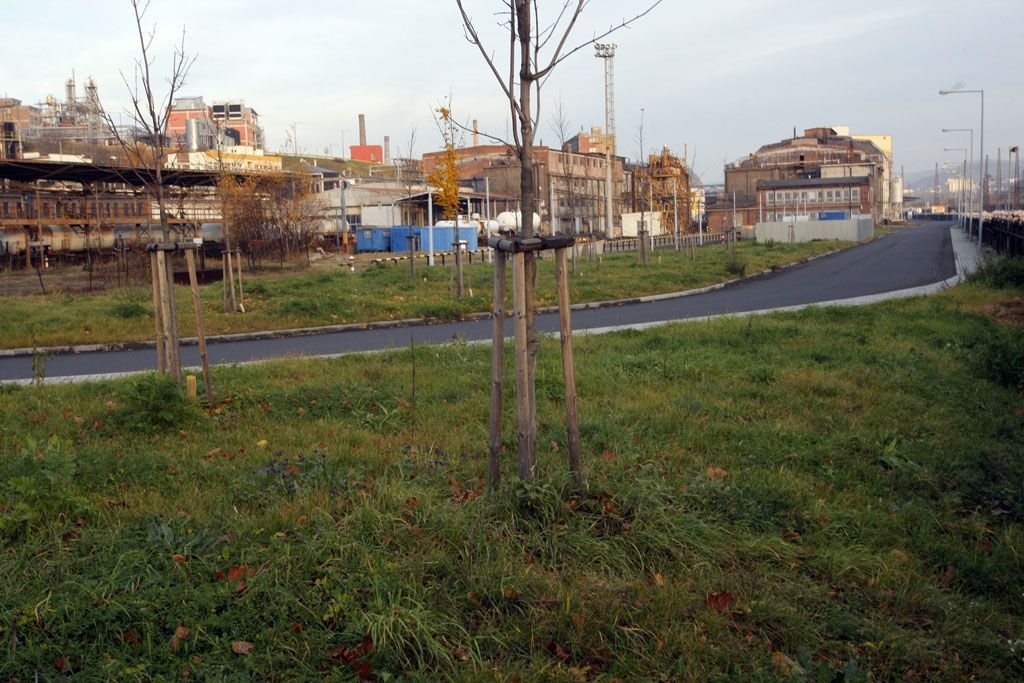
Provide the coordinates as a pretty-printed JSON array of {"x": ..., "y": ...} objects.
[
  {"x": 784, "y": 666},
  {"x": 241, "y": 647},
  {"x": 178, "y": 557},
  {"x": 262, "y": 443},
  {"x": 659, "y": 579},
  {"x": 607, "y": 456},
  {"x": 237, "y": 571},
  {"x": 180, "y": 634},
  {"x": 303, "y": 520},
  {"x": 720, "y": 601},
  {"x": 717, "y": 473},
  {"x": 240, "y": 587}
]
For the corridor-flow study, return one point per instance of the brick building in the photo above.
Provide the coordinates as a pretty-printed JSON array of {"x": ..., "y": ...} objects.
[
  {"x": 570, "y": 186},
  {"x": 237, "y": 123}
]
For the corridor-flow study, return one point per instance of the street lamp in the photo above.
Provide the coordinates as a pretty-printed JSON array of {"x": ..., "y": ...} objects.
[
  {"x": 981, "y": 158},
  {"x": 970, "y": 197},
  {"x": 962, "y": 195}
]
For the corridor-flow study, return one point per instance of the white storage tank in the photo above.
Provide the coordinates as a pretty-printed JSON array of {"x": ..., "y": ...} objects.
[{"x": 513, "y": 220}]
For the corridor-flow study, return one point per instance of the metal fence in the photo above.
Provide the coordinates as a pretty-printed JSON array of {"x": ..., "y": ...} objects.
[{"x": 1002, "y": 234}]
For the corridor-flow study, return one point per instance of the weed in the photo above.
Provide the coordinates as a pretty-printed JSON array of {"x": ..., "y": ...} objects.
[
  {"x": 126, "y": 310},
  {"x": 151, "y": 404},
  {"x": 736, "y": 265}
]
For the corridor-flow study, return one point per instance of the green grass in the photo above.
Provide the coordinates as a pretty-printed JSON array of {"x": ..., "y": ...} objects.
[
  {"x": 833, "y": 490},
  {"x": 383, "y": 292}
]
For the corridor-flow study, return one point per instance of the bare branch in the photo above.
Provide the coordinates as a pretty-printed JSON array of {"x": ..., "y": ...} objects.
[{"x": 558, "y": 57}]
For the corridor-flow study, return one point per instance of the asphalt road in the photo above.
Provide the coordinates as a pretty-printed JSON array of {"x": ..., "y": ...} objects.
[{"x": 907, "y": 258}]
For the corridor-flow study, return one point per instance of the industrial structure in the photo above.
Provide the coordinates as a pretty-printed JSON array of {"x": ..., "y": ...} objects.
[
  {"x": 572, "y": 189},
  {"x": 859, "y": 165},
  {"x": 193, "y": 125}
]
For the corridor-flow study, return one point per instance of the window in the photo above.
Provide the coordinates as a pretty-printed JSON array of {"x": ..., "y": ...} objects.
[{"x": 856, "y": 194}]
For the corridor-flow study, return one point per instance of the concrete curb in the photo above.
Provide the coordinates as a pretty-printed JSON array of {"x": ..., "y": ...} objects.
[{"x": 406, "y": 322}]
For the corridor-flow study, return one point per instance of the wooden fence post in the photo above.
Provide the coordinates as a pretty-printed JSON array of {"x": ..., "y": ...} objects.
[
  {"x": 158, "y": 314},
  {"x": 526, "y": 465},
  {"x": 572, "y": 423},
  {"x": 241, "y": 291},
  {"x": 197, "y": 306},
  {"x": 166, "y": 295},
  {"x": 497, "y": 370}
]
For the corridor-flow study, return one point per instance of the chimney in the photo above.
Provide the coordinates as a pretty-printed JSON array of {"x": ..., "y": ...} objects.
[
  {"x": 362, "y": 130},
  {"x": 387, "y": 149},
  {"x": 476, "y": 134}
]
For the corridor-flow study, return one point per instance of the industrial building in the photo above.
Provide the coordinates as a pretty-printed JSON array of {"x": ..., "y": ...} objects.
[
  {"x": 193, "y": 125},
  {"x": 570, "y": 186},
  {"x": 861, "y": 164}
]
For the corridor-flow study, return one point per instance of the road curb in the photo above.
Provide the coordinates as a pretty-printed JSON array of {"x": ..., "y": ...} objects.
[{"x": 405, "y": 322}]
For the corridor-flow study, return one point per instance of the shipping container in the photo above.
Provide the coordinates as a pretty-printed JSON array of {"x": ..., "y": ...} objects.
[{"x": 373, "y": 239}]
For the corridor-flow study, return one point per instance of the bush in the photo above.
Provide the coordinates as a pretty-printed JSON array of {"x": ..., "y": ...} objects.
[
  {"x": 736, "y": 265},
  {"x": 126, "y": 310},
  {"x": 1004, "y": 273},
  {"x": 153, "y": 403},
  {"x": 1001, "y": 357}
]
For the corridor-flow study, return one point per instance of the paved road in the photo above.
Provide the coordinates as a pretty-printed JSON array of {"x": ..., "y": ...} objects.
[{"x": 907, "y": 258}]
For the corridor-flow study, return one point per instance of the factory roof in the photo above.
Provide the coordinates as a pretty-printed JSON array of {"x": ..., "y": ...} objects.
[{"x": 30, "y": 171}]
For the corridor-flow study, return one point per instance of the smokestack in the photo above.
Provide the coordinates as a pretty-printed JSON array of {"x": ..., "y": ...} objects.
[
  {"x": 362, "y": 130},
  {"x": 476, "y": 134},
  {"x": 387, "y": 149}
]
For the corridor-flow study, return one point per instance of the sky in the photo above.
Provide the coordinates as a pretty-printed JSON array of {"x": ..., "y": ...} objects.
[{"x": 720, "y": 78}]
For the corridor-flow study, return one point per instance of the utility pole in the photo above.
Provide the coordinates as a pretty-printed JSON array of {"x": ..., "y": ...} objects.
[
  {"x": 295, "y": 136},
  {"x": 606, "y": 51},
  {"x": 675, "y": 209}
]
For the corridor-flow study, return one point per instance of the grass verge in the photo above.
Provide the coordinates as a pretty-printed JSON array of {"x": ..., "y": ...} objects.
[
  {"x": 831, "y": 494},
  {"x": 383, "y": 292}
]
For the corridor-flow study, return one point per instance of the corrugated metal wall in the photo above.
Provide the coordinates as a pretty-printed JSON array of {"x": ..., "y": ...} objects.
[{"x": 852, "y": 230}]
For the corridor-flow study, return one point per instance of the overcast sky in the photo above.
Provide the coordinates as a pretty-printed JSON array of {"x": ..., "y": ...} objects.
[{"x": 723, "y": 77}]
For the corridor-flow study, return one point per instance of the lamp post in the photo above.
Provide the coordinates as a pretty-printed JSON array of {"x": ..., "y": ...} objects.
[
  {"x": 960, "y": 195},
  {"x": 295, "y": 136},
  {"x": 606, "y": 51},
  {"x": 970, "y": 177},
  {"x": 981, "y": 158}
]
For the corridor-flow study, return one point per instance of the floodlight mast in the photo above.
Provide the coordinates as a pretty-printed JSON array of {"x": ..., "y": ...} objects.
[{"x": 606, "y": 51}]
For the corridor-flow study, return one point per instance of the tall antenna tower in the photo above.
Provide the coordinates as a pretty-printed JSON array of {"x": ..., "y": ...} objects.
[{"x": 606, "y": 51}]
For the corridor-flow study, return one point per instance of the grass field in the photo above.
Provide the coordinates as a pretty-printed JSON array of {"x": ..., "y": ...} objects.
[
  {"x": 380, "y": 293},
  {"x": 825, "y": 495}
]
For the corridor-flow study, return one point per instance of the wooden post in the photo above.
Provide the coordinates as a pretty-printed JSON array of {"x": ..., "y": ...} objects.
[
  {"x": 158, "y": 315},
  {"x": 197, "y": 307},
  {"x": 170, "y": 339},
  {"x": 458, "y": 262},
  {"x": 526, "y": 464},
  {"x": 497, "y": 370},
  {"x": 532, "y": 346},
  {"x": 572, "y": 423},
  {"x": 241, "y": 292},
  {"x": 411, "y": 239},
  {"x": 230, "y": 306}
]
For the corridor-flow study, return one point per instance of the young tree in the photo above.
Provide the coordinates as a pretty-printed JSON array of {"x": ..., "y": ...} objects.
[
  {"x": 445, "y": 177},
  {"x": 535, "y": 49},
  {"x": 149, "y": 112},
  {"x": 562, "y": 128},
  {"x": 143, "y": 145}
]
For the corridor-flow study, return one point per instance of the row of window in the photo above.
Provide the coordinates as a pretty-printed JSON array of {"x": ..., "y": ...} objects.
[
  {"x": 845, "y": 194},
  {"x": 74, "y": 209}
]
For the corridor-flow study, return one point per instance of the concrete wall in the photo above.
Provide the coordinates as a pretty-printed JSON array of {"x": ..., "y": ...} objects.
[
  {"x": 631, "y": 223},
  {"x": 853, "y": 230}
]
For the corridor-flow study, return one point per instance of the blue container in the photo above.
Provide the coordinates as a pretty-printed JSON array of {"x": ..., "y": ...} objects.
[
  {"x": 373, "y": 239},
  {"x": 400, "y": 238},
  {"x": 469, "y": 236}
]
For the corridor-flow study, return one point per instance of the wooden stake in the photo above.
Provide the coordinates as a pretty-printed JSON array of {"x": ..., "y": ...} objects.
[
  {"x": 231, "y": 307},
  {"x": 526, "y": 464},
  {"x": 497, "y": 369},
  {"x": 241, "y": 292},
  {"x": 568, "y": 370},
  {"x": 197, "y": 307},
  {"x": 190, "y": 386},
  {"x": 532, "y": 346},
  {"x": 158, "y": 316},
  {"x": 165, "y": 312}
]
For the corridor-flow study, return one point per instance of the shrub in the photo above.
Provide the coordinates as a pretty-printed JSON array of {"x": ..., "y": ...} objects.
[
  {"x": 736, "y": 265},
  {"x": 153, "y": 403},
  {"x": 126, "y": 310},
  {"x": 1004, "y": 273}
]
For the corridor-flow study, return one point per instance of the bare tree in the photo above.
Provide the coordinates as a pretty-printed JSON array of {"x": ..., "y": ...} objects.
[
  {"x": 535, "y": 49},
  {"x": 148, "y": 113},
  {"x": 561, "y": 127},
  {"x": 144, "y": 147}
]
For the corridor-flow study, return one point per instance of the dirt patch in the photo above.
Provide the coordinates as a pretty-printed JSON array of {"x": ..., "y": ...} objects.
[{"x": 1009, "y": 312}]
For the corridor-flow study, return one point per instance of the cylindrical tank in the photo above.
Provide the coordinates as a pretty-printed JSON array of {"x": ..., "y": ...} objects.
[
  {"x": 15, "y": 241},
  {"x": 102, "y": 238},
  {"x": 512, "y": 220}
]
